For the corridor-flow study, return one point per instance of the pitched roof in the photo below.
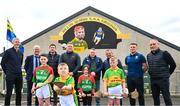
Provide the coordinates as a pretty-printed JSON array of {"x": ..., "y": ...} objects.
[{"x": 105, "y": 15}]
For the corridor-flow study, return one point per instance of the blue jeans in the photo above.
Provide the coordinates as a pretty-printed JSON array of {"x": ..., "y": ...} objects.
[{"x": 97, "y": 88}]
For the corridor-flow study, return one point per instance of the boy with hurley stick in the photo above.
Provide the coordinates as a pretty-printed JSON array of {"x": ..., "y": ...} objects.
[
  {"x": 114, "y": 82},
  {"x": 86, "y": 86},
  {"x": 64, "y": 86},
  {"x": 42, "y": 76}
]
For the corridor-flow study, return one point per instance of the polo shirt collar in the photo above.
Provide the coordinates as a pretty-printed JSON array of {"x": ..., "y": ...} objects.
[{"x": 133, "y": 54}]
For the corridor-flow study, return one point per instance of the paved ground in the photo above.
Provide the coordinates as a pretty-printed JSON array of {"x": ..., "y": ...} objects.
[{"x": 148, "y": 101}]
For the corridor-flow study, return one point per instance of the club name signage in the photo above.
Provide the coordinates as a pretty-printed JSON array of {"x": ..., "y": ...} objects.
[{"x": 99, "y": 33}]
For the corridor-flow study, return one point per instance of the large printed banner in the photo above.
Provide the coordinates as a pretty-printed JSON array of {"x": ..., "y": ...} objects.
[{"x": 91, "y": 32}]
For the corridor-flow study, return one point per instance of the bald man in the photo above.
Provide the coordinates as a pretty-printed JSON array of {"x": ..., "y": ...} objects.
[
  {"x": 161, "y": 66},
  {"x": 96, "y": 65},
  {"x": 31, "y": 62}
]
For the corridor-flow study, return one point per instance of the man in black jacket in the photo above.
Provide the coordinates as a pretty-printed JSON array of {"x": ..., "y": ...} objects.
[
  {"x": 11, "y": 64},
  {"x": 53, "y": 59},
  {"x": 161, "y": 66},
  {"x": 31, "y": 62},
  {"x": 72, "y": 60}
]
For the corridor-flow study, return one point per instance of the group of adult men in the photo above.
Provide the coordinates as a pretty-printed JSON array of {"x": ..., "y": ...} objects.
[{"x": 160, "y": 66}]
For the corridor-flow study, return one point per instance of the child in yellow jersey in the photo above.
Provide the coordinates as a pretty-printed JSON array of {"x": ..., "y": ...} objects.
[
  {"x": 114, "y": 82},
  {"x": 66, "y": 94}
]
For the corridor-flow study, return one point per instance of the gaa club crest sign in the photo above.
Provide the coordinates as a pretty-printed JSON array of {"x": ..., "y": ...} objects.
[{"x": 91, "y": 32}]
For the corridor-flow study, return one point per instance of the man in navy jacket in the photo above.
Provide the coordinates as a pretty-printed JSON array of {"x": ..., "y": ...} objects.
[
  {"x": 11, "y": 64},
  {"x": 96, "y": 65},
  {"x": 106, "y": 64},
  {"x": 30, "y": 64}
]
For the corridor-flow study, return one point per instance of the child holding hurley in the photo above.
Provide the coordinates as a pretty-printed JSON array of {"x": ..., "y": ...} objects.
[
  {"x": 64, "y": 86},
  {"x": 114, "y": 83},
  {"x": 42, "y": 76}
]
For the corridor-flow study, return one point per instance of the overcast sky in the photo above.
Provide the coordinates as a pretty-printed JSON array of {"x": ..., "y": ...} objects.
[{"x": 29, "y": 17}]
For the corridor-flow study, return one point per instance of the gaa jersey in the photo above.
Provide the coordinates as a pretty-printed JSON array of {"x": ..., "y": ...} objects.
[
  {"x": 68, "y": 81},
  {"x": 87, "y": 83},
  {"x": 42, "y": 73},
  {"x": 79, "y": 45},
  {"x": 114, "y": 77}
]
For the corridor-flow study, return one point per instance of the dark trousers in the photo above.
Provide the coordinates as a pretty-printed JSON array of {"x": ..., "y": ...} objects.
[
  {"x": 75, "y": 87},
  {"x": 29, "y": 94},
  {"x": 12, "y": 80},
  {"x": 97, "y": 89},
  {"x": 87, "y": 100},
  {"x": 121, "y": 102},
  {"x": 54, "y": 95},
  {"x": 136, "y": 83},
  {"x": 160, "y": 84}
]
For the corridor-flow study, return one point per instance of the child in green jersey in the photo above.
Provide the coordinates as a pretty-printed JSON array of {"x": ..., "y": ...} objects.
[
  {"x": 42, "y": 76},
  {"x": 114, "y": 82},
  {"x": 66, "y": 93}
]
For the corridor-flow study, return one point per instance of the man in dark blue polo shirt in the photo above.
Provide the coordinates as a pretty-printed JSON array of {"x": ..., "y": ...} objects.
[
  {"x": 136, "y": 65},
  {"x": 11, "y": 65}
]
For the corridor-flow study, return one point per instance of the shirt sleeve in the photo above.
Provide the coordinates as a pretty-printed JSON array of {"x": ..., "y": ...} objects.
[
  {"x": 56, "y": 80},
  {"x": 119, "y": 64},
  {"x": 93, "y": 82},
  {"x": 122, "y": 75},
  {"x": 51, "y": 71},
  {"x": 4, "y": 61},
  {"x": 105, "y": 75},
  {"x": 98, "y": 70},
  {"x": 143, "y": 60},
  {"x": 126, "y": 60},
  {"x": 71, "y": 81},
  {"x": 34, "y": 76},
  {"x": 78, "y": 64},
  {"x": 170, "y": 61},
  {"x": 79, "y": 82}
]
